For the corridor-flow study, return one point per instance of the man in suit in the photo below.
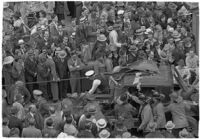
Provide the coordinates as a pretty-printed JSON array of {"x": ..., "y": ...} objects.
[
  {"x": 31, "y": 131},
  {"x": 75, "y": 65},
  {"x": 63, "y": 73},
  {"x": 30, "y": 65},
  {"x": 53, "y": 75},
  {"x": 41, "y": 103},
  {"x": 45, "y": 42},
  {"x": 15, "y": 122},
  {"x": 33, "y": 113}
]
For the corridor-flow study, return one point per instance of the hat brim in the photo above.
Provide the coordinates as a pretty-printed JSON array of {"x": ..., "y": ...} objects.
[
  {"x": 101, "y": 126},
  {"x": 108, "y": 135},
  {"x": 101, "y": 40},
  {"x": 172, "y": 127}
]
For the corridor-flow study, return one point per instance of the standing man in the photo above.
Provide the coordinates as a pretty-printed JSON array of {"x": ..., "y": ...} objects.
[
  {"x": 75, "y": 65},
  {"x": 30, "y": 65},
  {"x": 53, "y": 76},
  {"x": 63, "y": 73}
]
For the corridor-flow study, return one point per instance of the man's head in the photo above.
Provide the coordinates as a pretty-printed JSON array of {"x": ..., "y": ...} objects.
[
  {"x": 65, "y": 39},
  {"x": 52, "y": 110},
  {"x": 69, "y": 120},
  {"x": 46, "y": 34},
  {"x": 191, "y": 53},
  {"x": 32, "y": 109},
  {"x": 49, "y": 122},
  {"x": 60, "y": 28},
  {"x": 31, "y": 122}
]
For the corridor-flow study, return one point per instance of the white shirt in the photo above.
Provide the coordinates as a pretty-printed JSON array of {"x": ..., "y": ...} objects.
[
  {"x": 95, "y": 84},
  {"x": 113, "y": 37}
]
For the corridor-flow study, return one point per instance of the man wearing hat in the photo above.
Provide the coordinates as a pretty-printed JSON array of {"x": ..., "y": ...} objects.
[
  {"x": 30, "y": 66},
  {"x": 158, "y": 110},
  {"x": 168, "y": 132},
  {"x": 100, "y": 45},
  {"x": 7, "y": 14},
  {"x": 81, "y": 31},
  {"x": 41, "y": 103},
  {"x": 100, "y": 83},
  {"x": 114, "y": 38},
  {"x": 146, "y": 114},
  {"x": 125, "y": 111},
  {"x": 63, "y": 73},
  {"x": 75, "y": 65},
  {"x": 9, "y": 72},
  {"x": 178, "y": 109}
]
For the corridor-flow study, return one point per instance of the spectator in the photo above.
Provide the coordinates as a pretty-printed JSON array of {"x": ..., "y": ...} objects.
[
  {"x": 6, "y": 129},
  {"x": 69, "y": 128},
  {"x": 192, "y": 60},
  {"x": 19, "y": 100},
  {"x": 15, "y": 122},
  {"x": 31, "y": 131},
  {"x": 49, "y": 131}
]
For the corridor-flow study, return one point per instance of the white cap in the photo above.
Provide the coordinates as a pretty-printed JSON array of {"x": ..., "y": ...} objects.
[
  {"x": 8, "y": 60},
  {"x": 37, "y": 92},
  {"x": 21, "y": 41},
  {"x": 89, "y": 73},
  {"x": 120, "y": 12}
]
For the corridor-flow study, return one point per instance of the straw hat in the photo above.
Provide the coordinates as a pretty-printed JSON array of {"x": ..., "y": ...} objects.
[
  {"x": 89, "y": 73},
  {"x": 91, "y": 109},
  {"x": 149, "y": 31},
  {"x": 126, "y": 135},
  {"x": 101, "y": 38},
  {"x": 8, "y": 60},
  {"x": 170, "y": 125},
  {"x": 37, "y": 92},
  {"x": 183, "y": 133},
  {"x": 21, "y": 42},
  {"x": 152, "y": 126},
  {"x": 5, "y": 5},
  {"x": 30, "y": 52},
  {"x": 104, "y": 134},
  {"x": 62, "y": 54},
  {"x": 120, "y": 12},
  {"x": 172, "y": 6},
  {"x": 101, "y": 123},
  {"x": 183, "y": 11},
  {"x": 82, "y": 19},
  {"x": 176, "y": 34},
  {"x": 120, "y": 4},
  {"x": 133, "y": 48}
]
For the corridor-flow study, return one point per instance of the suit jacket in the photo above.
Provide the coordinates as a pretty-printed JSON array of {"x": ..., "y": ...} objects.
[
  {"x": 30, "y": 68},
  {"x": 49, "y": 133},
  {"x": 14, "y": 122},
  {"x": 38, "y": 120},
  {"x": 62, "y": 68},
  {"x": 51, "y": 65},
  {"x": 45, "y": 44},
  {"x": 31, "y": 132}
]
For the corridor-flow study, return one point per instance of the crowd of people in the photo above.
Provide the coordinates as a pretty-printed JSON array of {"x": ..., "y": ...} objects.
[{"x": 44, "y": 65}]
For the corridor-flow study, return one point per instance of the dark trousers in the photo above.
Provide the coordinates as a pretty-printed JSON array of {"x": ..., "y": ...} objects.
[
  {"x": 31, "y": 87},
  {"x": 64, "y": 88},
  {"x": 176, "y": 132}
]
